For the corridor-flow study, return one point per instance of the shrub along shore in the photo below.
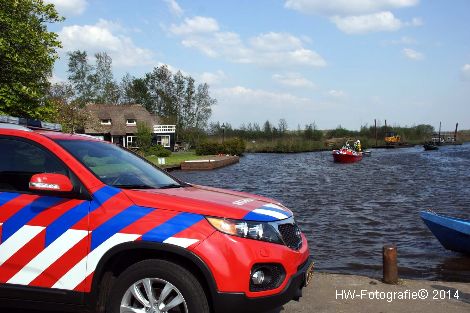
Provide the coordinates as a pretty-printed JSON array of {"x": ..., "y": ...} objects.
[{"x": 270, "y": 139}]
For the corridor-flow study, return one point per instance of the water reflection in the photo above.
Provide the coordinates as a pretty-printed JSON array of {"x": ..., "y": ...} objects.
[{"x": 348, "y": 211}]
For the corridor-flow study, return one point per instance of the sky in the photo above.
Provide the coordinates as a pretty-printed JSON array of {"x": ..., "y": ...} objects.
[{"x": 336, "y": 62}]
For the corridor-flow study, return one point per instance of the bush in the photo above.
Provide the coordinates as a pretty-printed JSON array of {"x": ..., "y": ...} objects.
[
  {"x": 209, "y": 148},
  {"x": 158, "y": 150},
  {"x": 144, "y": 136},
  {"x": 233, "y": 146}
]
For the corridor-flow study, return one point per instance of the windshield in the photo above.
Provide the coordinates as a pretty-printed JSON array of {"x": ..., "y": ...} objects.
[{"x": 117, "y": 167}]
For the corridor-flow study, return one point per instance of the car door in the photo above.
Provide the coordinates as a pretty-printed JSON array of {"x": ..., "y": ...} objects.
[{"x": 38, "y": 243}]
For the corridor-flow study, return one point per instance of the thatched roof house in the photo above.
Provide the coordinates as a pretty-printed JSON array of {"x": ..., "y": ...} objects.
[{"x": 118, "y": 124}]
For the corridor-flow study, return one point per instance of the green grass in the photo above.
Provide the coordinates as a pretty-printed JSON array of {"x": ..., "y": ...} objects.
[
  {"x": 284, "y": 145},
  {"x": 176, "y": 158}
]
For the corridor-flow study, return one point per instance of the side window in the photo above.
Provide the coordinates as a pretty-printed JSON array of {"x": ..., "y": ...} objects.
[{"x": 19, "y": 160}]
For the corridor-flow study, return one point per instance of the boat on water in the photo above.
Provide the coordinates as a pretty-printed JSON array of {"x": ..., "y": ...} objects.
[
  {"x": 430, "y": 146},
  {"x": 453, "y": 233},
  {"x": 442, "y": 139},
  {"x": 348, "y": 154}
]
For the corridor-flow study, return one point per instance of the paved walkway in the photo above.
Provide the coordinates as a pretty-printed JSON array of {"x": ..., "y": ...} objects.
[{"x": 332, "y": 293}]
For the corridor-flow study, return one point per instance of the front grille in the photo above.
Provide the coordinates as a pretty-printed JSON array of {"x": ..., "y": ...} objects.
[{"x": 291, "y": 235}]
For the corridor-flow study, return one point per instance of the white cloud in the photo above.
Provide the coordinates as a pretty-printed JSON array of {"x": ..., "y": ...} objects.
[
  {"x": 358, "y": 16},
  {"x": 105, "y": 36},
  {"x": 173, "y": 69},
  {"x": 197, "y": 24},
  {"x": 255, "y": 95},
  {"x": 241, "y": 105},
  {"x": 174, "y": 7},
  {"x": 402, "y": 41},
  {"x": 416, "y": 21},
  {"x": 213, "y": 78},
  {"x": 336, "y": 93},
  {"x": 276, "y": 42},
  {"x": 376, "y": 22},
  {"x": 465, "y": 72},
  {"x": 346, "y": 7},
  {"x": 412, "y": 54},
  {"x": 69, "y": 7},
  {"x": 268, "y": 50},
  {"x": 293, "y": 80}
]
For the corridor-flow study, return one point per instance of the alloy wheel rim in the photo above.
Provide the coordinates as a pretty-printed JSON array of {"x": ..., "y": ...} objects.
[{"x": 153, "y": 295}]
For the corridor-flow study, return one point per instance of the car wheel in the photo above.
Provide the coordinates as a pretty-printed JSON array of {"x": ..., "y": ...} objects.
[{"x": 157, "y": 286}]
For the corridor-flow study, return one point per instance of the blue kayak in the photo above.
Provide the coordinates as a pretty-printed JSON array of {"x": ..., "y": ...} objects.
[{"x": 453, "y": 233}]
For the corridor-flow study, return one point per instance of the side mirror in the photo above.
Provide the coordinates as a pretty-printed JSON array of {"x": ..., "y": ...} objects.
[{"x": 50, "y": 182}]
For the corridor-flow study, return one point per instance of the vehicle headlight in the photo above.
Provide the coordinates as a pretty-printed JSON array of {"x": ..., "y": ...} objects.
[{"x": 246, "y": 229}]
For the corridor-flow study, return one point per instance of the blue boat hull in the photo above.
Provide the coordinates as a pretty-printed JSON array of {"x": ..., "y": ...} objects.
[{"x": 452, "y": 233}]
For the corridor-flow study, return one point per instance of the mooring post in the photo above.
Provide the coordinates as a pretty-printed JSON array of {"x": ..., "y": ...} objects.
[
  {"x": 375, "y": 130},
  {"x": 390, "y": 268}
]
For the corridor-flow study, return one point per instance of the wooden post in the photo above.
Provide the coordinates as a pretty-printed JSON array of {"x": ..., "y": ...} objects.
[
  {"x": 390, "y": 268},
  {"x": 375, "y": 128},
  {"x": 439, "y": 133},
  {"x": 455, "y": 133}
]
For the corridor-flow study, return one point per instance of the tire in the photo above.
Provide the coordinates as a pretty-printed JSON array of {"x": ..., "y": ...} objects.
[{"x": 184, "y": 289}]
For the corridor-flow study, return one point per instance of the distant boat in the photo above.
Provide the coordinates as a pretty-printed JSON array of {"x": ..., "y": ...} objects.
[
  {"x": 429, "y": 146},
  {"x": 347, "y": 154},
  {"x": 453, "y": 233}
]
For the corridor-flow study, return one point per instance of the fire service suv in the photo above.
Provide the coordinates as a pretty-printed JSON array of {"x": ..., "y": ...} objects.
[{"x": 88, "y": 226}]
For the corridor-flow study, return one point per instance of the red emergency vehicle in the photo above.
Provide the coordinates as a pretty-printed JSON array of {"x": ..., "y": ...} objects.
[{"x": 87, "y": 225}]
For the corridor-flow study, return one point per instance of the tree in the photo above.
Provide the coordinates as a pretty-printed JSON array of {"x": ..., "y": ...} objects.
[
  {"x": 267, "y": 129},
  {"x": 69, "y": 112},
  {"x": 308, "y": 132},
  {"x": 189, "y": 99},
  {"x": 175, "y": 98},
  {"x": 161, "y": 89},
  {"x": 27, "y": 55},
  {"x": 81, "y": 76},
  {"x": 282, "y": 126},
  {"x": 203, "y": 106},
  {"x": 179, "y": 82},
  {"x": 144, "y": 136},
  {"x": 106, "y": 89},
  {"x": 135, "y": 90}
]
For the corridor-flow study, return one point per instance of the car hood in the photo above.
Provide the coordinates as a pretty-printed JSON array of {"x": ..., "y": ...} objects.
[{"x": 211, "y": 202}]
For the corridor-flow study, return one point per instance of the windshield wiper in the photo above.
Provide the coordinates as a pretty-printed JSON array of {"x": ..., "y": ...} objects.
[
  {"x": 135, "y": 186},
  {"x": 171, "y": 186}
]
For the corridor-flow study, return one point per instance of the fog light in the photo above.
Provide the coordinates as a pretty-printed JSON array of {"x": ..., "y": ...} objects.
[
  {"x": 266, "y": 276},
  {"x": 258, "y": 277}
]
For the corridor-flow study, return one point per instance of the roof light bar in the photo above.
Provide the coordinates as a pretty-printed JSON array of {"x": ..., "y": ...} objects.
[{"x": 30, "y": 123}]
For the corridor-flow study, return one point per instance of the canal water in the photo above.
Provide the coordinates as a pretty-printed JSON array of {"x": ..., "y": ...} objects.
[{"x": 349, "y": 211}]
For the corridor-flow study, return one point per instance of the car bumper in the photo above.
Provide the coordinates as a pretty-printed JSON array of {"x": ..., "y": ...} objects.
[{"x": 232, "y": 302}]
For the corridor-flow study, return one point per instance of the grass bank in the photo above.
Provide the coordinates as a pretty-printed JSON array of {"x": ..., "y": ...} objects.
[
  {"x": 296, "y": 145},
  {"x": 176, "y": 158},
  {"x": 284, "y": 145}
]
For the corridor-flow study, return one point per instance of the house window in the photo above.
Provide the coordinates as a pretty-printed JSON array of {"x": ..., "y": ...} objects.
[
  {"x": 131, "y": 142},
  {"x": 164, "y": 140},
  {"x": 131, "y": 122},
  {"x": 106, "y": 121}
]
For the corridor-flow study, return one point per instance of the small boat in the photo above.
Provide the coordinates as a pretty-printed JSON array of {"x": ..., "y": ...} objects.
[
  {"x": 430, "y": 146},
  {"x": 453, "y": 233},
  {"x": 347, "y": 154}
]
